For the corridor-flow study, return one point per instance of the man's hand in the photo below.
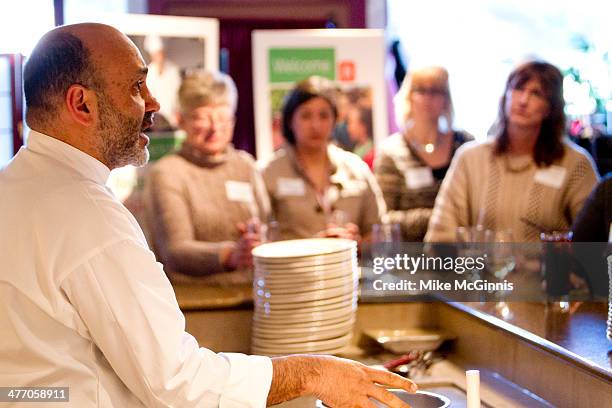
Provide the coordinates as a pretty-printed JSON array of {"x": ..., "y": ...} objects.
[{"x": 335, "y": 381}]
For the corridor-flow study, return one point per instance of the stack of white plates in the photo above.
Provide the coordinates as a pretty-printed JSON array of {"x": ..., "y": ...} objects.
[{"x": 305, "y": 294}]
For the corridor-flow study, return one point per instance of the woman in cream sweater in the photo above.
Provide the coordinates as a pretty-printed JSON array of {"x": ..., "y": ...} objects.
[
  {"x": 526, "y": 178},
  {"x": 202, "y": 197}
]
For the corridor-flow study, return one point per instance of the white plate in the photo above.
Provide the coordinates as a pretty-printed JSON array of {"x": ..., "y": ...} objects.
[
  {"x": 302, "y": 248},
  {"x": 270, "y": 353},
  {"x": 262, "y": 303},
  {"x": 275, "y": 298},
  {"x": 310, "y": 346},
  {"x": 305, "y": 281},
  {"x": 313, "y": 261},
  {"x": 306, "y": 317},
  {"x": 293, "y": 331},
  {"x": 274, "y": 325},
  {"x": 271, "y": 311},
  {"x": 285, "y": 289},
  {"x": 267, "y": 340},
  {"x": 283, "y": 269}
]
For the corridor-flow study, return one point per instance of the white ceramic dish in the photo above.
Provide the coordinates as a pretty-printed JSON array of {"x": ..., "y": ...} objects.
[
  {"x": 305, "y": 285},
  {"x": 274, "y": 325},
  {"x": 266, "y": 339},
  {"x": 308, "y": 316},
  {"x": 284, "y": 270},
  {"x": 272, "y": 353},
  {"x": 314, "y": 261},
  {"x": 275, "y": 298},
  {"x": 273, "y": 311},
  {"x": 324, "y": 284},
  {"x": 405, "y": 340},
  {"x": 309, "y": 346},
  {"x": 262, "y": 303},
  {"x": 302, "y": 248},
  {"x": 266, "y": 332}
]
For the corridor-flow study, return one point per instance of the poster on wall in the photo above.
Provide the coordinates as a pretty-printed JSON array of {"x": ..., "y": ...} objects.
[{"x": 353, "y": 59}]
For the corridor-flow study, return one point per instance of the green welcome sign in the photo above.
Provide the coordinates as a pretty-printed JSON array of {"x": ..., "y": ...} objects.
[{"x": 294, "y": 64}]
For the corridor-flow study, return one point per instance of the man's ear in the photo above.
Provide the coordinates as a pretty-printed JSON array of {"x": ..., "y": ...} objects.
[{"x": 81, "y": 104}]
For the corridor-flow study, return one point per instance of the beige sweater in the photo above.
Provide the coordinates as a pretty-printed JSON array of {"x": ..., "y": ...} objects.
[
  {"x": 194, "y": 204},
  {"x": 352, "y": 190},
  {"x": 497, "y": 191}
]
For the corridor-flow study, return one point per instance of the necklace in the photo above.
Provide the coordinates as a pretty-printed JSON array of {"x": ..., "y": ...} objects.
[{"x": 428, "y": 148}]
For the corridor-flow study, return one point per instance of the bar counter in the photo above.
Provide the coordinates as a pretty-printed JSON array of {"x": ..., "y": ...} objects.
[{"x": 560, "y": 355}]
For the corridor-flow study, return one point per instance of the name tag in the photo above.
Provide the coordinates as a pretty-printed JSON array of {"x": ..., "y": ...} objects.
[
  {"x": 290, "y": 187},
  {"x": 419, "y": 177},
  {"x": 552, "y": 176},
  {"x": 239, "y": 191}
]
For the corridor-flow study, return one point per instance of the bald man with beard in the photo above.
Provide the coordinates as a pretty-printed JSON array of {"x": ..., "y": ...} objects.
[{"x": 83, "y": 304}]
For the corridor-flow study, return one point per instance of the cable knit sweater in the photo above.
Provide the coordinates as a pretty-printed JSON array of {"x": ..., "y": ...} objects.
[{"x": 498, "y": 190}]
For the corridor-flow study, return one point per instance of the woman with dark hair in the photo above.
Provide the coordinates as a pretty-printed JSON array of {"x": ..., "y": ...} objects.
[
  {"x": 316, "y": 188},
  {"x": 528, "y": 176}
]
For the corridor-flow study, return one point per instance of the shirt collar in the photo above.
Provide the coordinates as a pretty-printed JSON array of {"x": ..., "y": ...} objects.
[{"x": 74, "y": 158}]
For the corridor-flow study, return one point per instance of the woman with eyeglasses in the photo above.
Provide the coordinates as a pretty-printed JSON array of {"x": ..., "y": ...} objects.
[
  {"x": 206, "y": 199},
  {"x": 528, "y": 178},
  {"x": 315, "y": 187},
  {"x": 411, "y": 164}
]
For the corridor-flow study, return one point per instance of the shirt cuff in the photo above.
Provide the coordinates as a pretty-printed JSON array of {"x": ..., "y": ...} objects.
[{"x": 249, "y": 381}]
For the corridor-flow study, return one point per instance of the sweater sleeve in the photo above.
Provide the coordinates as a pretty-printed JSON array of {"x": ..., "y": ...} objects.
[
  {"x": 452, "y": 203},
  {"x": 373, "y": 205},
  {"x": 173, "y": 229},
  {"x": 413, "y": 221},
  {"x": 582, "y": 180}
]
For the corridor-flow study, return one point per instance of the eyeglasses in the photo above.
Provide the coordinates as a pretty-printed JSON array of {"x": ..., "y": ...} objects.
[{"x": 430, "y": 91}]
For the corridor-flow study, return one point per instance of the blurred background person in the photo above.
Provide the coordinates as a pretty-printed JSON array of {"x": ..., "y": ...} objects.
[
  {"x": 412, "y": 163},
  {"x": 315, "y": 187},
  {"x": 206, "y": 199},
  {"x": 360, "y": 131},
  {"x": 528, "y": 178},
  {"x": 594, "y": 221},
  {"x": 163, "y": 79}
]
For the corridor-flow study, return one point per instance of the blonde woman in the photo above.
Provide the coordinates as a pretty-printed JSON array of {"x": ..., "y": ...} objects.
[
  {"x": 202, "y": 198},
  {"x": 411, "y": 164}
]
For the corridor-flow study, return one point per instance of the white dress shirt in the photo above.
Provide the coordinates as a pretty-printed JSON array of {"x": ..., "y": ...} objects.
[{"x": 84, "y": 305}]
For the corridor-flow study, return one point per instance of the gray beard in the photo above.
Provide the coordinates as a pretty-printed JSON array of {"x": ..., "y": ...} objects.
[{"x": 119, "y": 136}]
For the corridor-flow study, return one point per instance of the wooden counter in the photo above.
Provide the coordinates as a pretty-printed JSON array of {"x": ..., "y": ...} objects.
[{"x": 562, "y": 357}]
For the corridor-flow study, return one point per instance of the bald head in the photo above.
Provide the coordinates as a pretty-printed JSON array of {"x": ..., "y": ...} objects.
[{"x": 68, "y": 55}]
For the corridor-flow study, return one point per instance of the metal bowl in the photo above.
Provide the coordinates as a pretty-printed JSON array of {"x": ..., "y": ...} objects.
[{"x": 421, "y": 399}]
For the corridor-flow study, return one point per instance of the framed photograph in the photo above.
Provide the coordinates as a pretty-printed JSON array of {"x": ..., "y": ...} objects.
[
  {"x": 171, "y": 46},
  {"x": 283, "y": 57}
]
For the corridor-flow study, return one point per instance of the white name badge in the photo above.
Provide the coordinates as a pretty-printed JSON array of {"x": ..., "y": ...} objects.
[
  {"x": 418, "y": 177},
  {"x": 239, "y": 191},
  {"x": 552, "y": 176},
  {"x": 290, "y": 187}
]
